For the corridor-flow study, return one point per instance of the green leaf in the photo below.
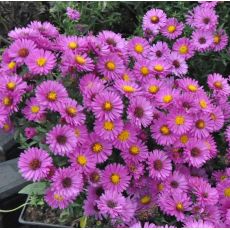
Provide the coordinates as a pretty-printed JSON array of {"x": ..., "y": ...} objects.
[
  {"x": 37, "y": 188},
  {"x": 83, "y": 221}
]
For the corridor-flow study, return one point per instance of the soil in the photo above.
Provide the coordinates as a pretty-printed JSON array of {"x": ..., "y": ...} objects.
[{"x": 46, "y": 215}]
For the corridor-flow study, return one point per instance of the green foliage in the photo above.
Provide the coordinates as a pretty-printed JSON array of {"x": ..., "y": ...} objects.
[{"x": 37, "y": 188}]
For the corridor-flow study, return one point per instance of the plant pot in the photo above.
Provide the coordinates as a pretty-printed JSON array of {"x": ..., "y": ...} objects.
[{"x": 22, "y": 220}]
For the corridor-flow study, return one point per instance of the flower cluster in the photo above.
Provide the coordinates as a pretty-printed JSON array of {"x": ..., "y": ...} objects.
[{"x": 136, "y": 132}]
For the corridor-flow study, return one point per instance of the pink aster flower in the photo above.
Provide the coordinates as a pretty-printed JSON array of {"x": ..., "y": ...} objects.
[
  {"x": 205, "y": 19},
  {"x": 142, "y": 69},
  {"x": 82, "y": 161},
  {"x": 115, "y": 178},
  {"x": 218, "y": 84},
  {"x": 172, "y": 28},
  {"x": 136, "y": 169},
  {"x": 184, "y": 47},
  {"x": 107, "y": 129},
  {"x": 73, "y": 14},
  {"x": 50, "y": 94},
  {"x": 94, "y": 177},
  {"x": 179, "y": 122},
  {"x": 202, "y": 41},
  {"x": 40, "y": 62},
  {"x": 160, "y": 67},
  {"x": 137, "y": 152},
  {"x": 98, "y": 147},
  {"x": 71, "y": 112},
  {"x": 9, "y": 100},
  {"x": 81, "y": 133},
  {"x": 152, "y": 88},
  {"x": 153, "y": 20},
  {"x": 34, "y": 164},
  {"x": 138, "y": 47},
  {"x": 20, "y": 49},
  {"x": 220, "y": 40},
  {"x": 217, "y": 116},
  {"x": 61, "y": 140},
  {"x": 189, "y": 85},
  {"x": 160, "y": 50},
  {"x": 111, "y": 66},
  {"x": 179, "y": 65},
  {"x": 140, "y": 111},
  {"x": 159, "y": 165},
  {"x": 33, "y": 111},
  {"x": 146, "y": 225},
  {"x": 175, "y": 204},
  {"x": 107, "y": 105},
  {"x": 196, "y": 153},
  {"x": 161, "y": 132},
  {"x": 111, "y": 204},
  {"x": 30, "y": 132},
  {"x": 24, "y": 32},
  {"x": 55, "y": 200},
  {"x": 125, "y": 137},
  {"x": 198, "y": 224},
  {"x": 67, "y": 181}
]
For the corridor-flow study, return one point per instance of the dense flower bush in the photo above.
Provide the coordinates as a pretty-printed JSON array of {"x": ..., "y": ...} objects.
[{"x": 118, "y": 125}]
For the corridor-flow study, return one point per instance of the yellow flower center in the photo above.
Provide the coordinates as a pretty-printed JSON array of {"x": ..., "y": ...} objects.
[
  {"x": 110, "y": 65},
  {"x": 71, "y": 111},
  {"x": 200, "y": 124},
  {"x": 124, "y": 135},
  {"x": 158, "y": 68},
  {"x": 160, "y": 187},
  {"x": 125, "y": 77},
  {"x": 128, "y": 89},
  {"x": 153, "y": 89},
  {"x": 35, "y": 109},
  {"x": 179, "y": 120},
  {"x": 203, "y": 104},
  {"x": 7, "y": 101},
  {"x": 115, "y": 178},
  {"x": 183, "y": 49},
  {"x": 165, "y": 130},
  {"x": 192, "y": 88},
  {"x": 171, "y": 29},
  {"x": 134, "y": 150},
  {"x": 107, "y": 106},
  {"x": 144, "y": 70},
  {"x": 52, "y": 96},
  {"x": 179, "y": 206},
  {"x": 139, "y": 48},
  {"x": 72, "y": 45},
  {"x": 11, "y": 85},
  {"x": 41, "y": 61},
  {"x": 97, "y": 147},
  {"x": 6, "y": 127},
  {"x": 80, "y": 60},
  {"x": 108, "y": 125},
  {"x": 216, "y": 39},
  {"x": 58, "y": 197},
  {"x": 184, "y": 139},
  {"x": 146, "y": 199},
  {"x": 154, "y": 19},
  {"x": 167, "y": 98},
  {"x": 218, "y": 85},
  {"x": 12, "y": 65},
  {"x": 227, "y": 192},
  {"x": 82, "y": 160},
  {"x": 77, "y": 132},
  {"x": 223, "y": 177}
]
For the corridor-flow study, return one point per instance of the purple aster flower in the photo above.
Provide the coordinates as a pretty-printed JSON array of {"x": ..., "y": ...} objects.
[
  {"x": 94, "y": 177},
  {"x": 142, "y": 69},
  {"x": 40, "y": 62},
  {"x": 160, "y": 67},
  {"x": 115, "y": 178},
  {"x": 9, "y": 100},
  {"x": 71, "y": 112},
  {"x": 146, "y": 225},
  {"x": 198, "y": 224},
  {"x": 202, "y": 41},
  {"x": 153, "y": 20},
  {"x": 220, "y": 40},
  {"x": 107, "y": 129},
  {"x": 196, "y": 153},
  {"x": 30, "y": 132},
  {"x": 111, "y": 204},
  {"x": 81, "y": 133},
  {"x": 159, "y": 165},
  {"x": 107, "y": 106},
  {"x": 98, "y": 147},
  {"x": 179, "y": 65},
  {"x": 184, "y": 47},
  {"x": 34, "y": 164},
  {"x": 160, "y": 50},
  {"x": 140, "y": 111},
  {"x": 111, "y": 66},
  {"x": 189, "y": 85},
  {"x": 61, "y": 140},
  {"x": 73, "y": 14},
  {"x": 55, "y": 200},
  {"x": 217, "y": 116},
  {"x": 24, "y": 32},
  {"x": 172, "y": 28},
  {"x": 50, "y": 94},
  {"x": 67, "y": 181}
]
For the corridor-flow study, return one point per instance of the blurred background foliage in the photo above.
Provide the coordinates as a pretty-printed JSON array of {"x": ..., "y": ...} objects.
[{"x": 120, "y": 17}]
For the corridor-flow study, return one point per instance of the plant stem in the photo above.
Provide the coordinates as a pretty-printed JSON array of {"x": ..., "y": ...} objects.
[{"x": 15, "y": 209}]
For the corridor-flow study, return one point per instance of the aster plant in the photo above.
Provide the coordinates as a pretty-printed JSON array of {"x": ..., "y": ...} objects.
[{"x": 120, "y": 127}]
